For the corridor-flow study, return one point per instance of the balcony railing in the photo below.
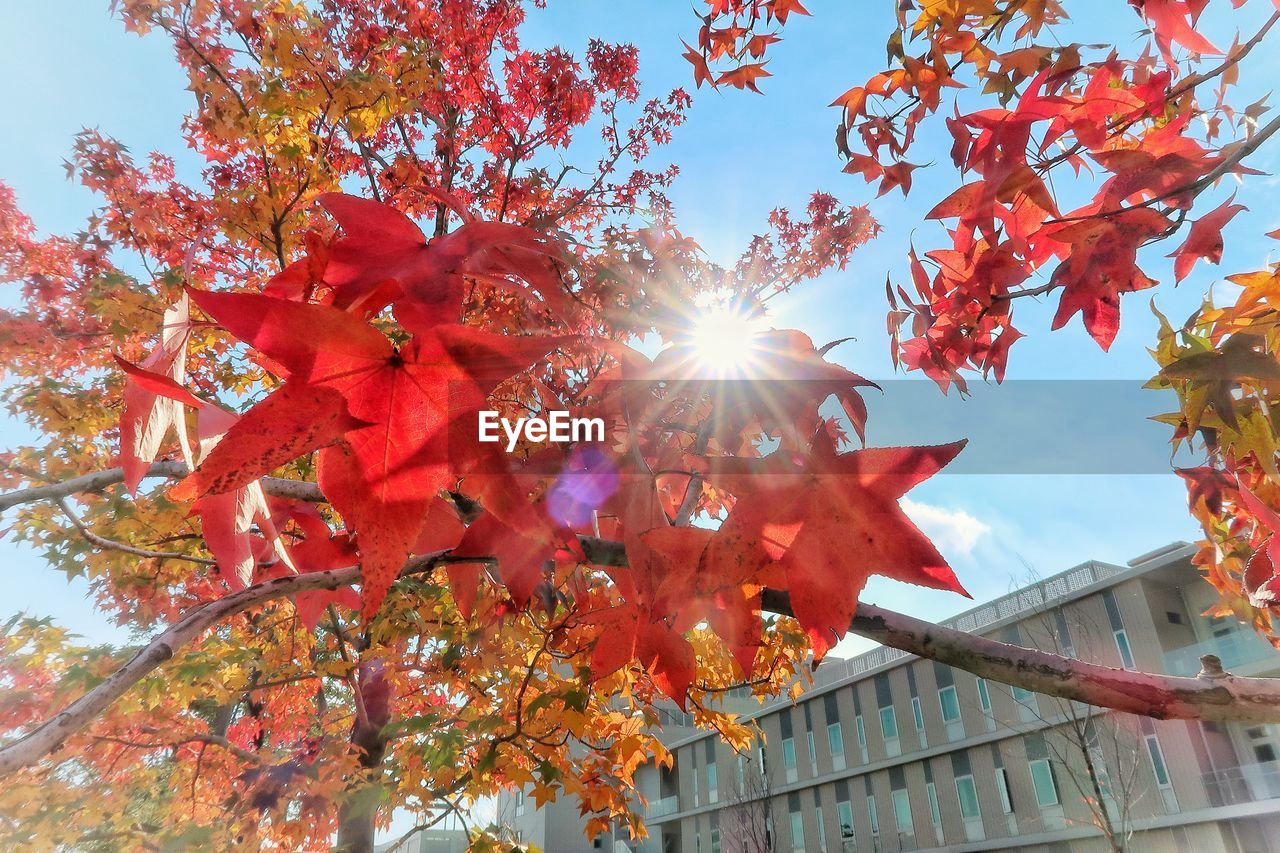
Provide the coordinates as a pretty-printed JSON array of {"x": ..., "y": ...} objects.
[
  {"x": 664, "y": 806},
  {"x": 1245, "y": 784},
  {"x": 1236, "y": 649}
]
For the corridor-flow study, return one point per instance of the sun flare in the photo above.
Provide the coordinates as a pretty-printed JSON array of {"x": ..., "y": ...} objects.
[{"x": 724, "y": 339}]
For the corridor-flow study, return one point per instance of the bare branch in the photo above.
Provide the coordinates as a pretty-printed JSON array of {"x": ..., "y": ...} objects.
[{"x": 113, "y": 545}]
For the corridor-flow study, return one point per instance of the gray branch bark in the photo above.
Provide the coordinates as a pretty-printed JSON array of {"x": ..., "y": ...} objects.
[{"x": 1212, "y": 696}]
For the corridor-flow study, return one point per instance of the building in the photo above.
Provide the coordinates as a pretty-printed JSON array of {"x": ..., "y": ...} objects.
[
  {"x": 428, "y": 841},
  {"x": 889, "y": 752}
]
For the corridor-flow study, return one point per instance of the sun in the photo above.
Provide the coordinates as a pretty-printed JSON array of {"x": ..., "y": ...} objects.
[{"x": 724, "y": 339}]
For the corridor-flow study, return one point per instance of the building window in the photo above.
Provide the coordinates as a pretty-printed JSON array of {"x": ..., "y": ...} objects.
[
  {"x": 519, "y": 802},
  {"x": 935, "y": 813},
  {"x": 1097, "y": 759},
  {"x": 844, "y": 813},
  {"x": 1002, "y": 785},
  {"x": 1263, "y": 751},
  {"x": 715, "y": 841},
  {"x": 797, "y": 830},
  {"x": 789, "y": 753},
  {"x": 813, "y": 752},
  {"x": 1043, "y": 781},
  {"x": 1157, "y": 761},
  {"x": 713, "y": 779},
  {"x": 822, "y": 829},
  {"x": 916, "y": 714},
  {"x": 835, "y": 739},
  {"x": 1100, "y": 771},
  {"x": 871, "y": 813},
  {"x": 1126, "y": 653},
  {"x": 950, "y": 704},
  {"x": 902, "y": 811},
  {"x": 967, "y": 793},
  {"x": 984, "y": 697},
  {"x": 862, "y": 731},
  {"x": 696, "y": 800},
  {"x": 888, "y": 723},
  {"x": 1022, "y": 694}
]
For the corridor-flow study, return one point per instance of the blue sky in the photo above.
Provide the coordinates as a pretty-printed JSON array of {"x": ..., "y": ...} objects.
[{"x": 68, "y": 65}]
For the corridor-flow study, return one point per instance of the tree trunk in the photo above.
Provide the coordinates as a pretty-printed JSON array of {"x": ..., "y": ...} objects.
[{"x": 357, "y": 816}]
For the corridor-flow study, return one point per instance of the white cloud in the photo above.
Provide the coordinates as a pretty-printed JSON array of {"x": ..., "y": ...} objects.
[{"x": 953, "y": 531}]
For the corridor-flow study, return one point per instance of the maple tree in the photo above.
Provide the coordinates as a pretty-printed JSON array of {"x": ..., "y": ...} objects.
[
  {"x": 367, "y": 609},
  {"x": 1077, "y": 162},
  {"x": 305, "y": 367}
]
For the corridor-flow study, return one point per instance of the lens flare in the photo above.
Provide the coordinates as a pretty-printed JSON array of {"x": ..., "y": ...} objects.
[{"x": 724, "y": 339}]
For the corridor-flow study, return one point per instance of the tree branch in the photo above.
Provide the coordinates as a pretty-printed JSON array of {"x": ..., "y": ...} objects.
[
  {"x": 49, "y": 736},
  {"x": 172, "y": 469},
  {"x": 1211, "y": 696},
  {"x": 112, "y": 545},
  {"x": 1223, "y": 698}
]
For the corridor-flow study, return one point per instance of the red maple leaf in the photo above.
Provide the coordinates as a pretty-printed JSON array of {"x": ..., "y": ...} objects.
[
  {"x": 228, "y": 519},
  {"x": 1261, "y": 582},
  {"x": 1205, "y": 239},
  {"x": 410, "y": 415},
  {"x": 149, "y": 414},
  {"x": 1174, "y": 21},
  {"x": 701, "y": 73},
  {"x": 634, "y": 632},
  {"x": 1102, "y": 264},
  {"x": 380, "y": 244},
  {"x": 830, "y": 523},
  {"x": 320, "y": 549},
  {"x": 744, "y": 76}
]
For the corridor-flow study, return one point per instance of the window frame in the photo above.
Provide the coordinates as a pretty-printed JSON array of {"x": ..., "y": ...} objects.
[
  {"x": 844, "y": 809},
  {"x": 935, "y": 811},
  {"x": 836, "y": 743},
  {"x": 955, "y": 699},
  {"x": 1002, "y": 788},
  {"x": 984, "y": 696},
  {"x": 797, "y": 823},
  {"x": 1154, "y": 751},
  {"x": 900, "y": 797},
  {"x": 973, "y": 789},
  {"x": 1047, "y": 766},
  {"x": 893, "y": 716},
  {"x": 1125, "y": 649}
]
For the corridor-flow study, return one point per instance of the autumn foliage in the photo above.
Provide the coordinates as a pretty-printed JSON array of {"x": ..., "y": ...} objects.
[
  {"x": 395, "y": 229},
  {"x": 1078, "y": 164},
  {"x": 315, "y": 362}
]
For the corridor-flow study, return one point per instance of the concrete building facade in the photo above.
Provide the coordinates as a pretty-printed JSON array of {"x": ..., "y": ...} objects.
[{"x": 888, "y": 752}]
